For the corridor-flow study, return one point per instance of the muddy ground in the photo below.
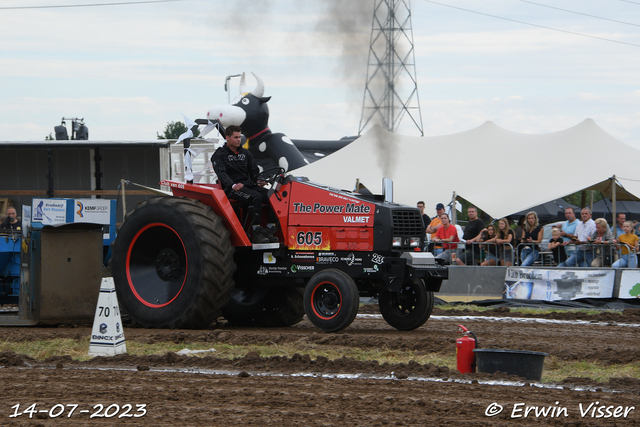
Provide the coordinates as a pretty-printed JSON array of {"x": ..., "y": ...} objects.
[{"x": 298, "y": 391}]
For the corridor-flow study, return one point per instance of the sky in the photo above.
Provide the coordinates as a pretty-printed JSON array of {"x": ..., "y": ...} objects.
[{"x": 129, "y": 69}]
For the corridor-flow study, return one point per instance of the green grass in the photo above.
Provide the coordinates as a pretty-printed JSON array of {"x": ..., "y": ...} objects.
[
  {"x": 524, "y": 310},
  {"x": 78, "y": 350},
  {"x": 555, "y": 370}
]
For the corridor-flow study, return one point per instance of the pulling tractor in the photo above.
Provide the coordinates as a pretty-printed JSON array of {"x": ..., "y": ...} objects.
[{"x": 182, "y": 261}]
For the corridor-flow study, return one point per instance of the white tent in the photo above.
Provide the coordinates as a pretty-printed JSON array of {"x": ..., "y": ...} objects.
[{"x": 498, "y": 170}]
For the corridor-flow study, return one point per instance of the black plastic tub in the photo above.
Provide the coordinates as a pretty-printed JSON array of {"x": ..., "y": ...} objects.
[{"x": 527, "y": 364}]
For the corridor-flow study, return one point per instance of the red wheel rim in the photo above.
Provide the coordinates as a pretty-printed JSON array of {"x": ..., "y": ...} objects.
[
  {"x": 156, "y": 265},
  {"x": 326, "y": 300}
]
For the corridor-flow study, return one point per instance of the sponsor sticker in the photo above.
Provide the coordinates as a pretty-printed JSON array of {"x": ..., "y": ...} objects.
[
  {"x": 351, "y": 260},
  {"x": 270, "y": 269},
  {"x": 303, "y": 257},
  {"x": 374, "y": 269},
  {"x": 377, "y": 259},
  {"x": 296, "y": 268},
  {"x": 327, "y": 260}
]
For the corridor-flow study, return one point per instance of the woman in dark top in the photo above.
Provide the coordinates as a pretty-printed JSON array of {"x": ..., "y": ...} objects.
[
  {"x": 488, "y": 236},
  {"x": 531, "y": 235},
  {"x": 505, "y": 237}
]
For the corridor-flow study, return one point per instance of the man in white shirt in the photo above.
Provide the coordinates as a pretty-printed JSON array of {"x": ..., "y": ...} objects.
[{"x": 583, "y": 254}]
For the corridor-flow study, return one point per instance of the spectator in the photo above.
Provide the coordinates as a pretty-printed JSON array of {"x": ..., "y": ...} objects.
[
  {"x": 488, "y": 235},
  {"x": 532, "y": 234},
  {"x": 517, "y": 231},
  {"x": 11, "y": 222},
  {"x": 618, "y": 230},
  {"x": 629, "y": 241},
  {"x": 436, "y": 222},
  {"x": 425, "y": 218},
  {"x": 583, "y": 256},
  {"x": 447, "y": 233},
  {"x": 471, "y": 235},
  {"x": 602, "y": 236},
  {"x": 567, "y": 230},
  {"x": 505, "y": 237},
  {"x": 556, "y": 247},
  {"x": 434, "y": 225},
  {"x": 618, "y": 227}
]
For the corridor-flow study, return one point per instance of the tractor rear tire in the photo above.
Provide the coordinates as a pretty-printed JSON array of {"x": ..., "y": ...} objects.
[
  {"x": 331, "y": 300},
  {"x": 173, "y": 264},
  {"x": 264, "y": 306},
  {"x": 408, "y": 309}
]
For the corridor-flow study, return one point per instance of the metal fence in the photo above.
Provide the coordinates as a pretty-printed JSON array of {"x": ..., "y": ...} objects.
[
  {"x": 531, "y": 254},
  {"x": 474, "y": 253},
  {"x": 584, "y": 255}
]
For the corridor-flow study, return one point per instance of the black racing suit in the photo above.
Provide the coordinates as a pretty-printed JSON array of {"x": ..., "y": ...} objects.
[{"x": 240, "y": 168}]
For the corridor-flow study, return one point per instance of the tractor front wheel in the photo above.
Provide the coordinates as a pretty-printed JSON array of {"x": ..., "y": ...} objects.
[
  {"x": 331, "y": 300},
  {"x": 409, "y": 308}
]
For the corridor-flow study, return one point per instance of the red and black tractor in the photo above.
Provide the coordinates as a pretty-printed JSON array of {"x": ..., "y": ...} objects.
[{"x": 182, "y": 261}]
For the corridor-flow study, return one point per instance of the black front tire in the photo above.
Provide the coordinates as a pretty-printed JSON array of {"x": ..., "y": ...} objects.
[
  {"x": 331, "y": 300},
  {"x": 408, "y": 309},
  {"x": 173, "y": 264},
  {"x": 264, "y": 306}
]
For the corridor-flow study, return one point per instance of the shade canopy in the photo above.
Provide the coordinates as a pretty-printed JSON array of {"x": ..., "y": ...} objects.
[
  {"x": 547, "y": 212},
  {"x": 604, "y": 209}
]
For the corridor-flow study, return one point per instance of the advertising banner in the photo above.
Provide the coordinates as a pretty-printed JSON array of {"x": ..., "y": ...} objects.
[
  {"x": 630, "y": 284},
  {"x": 49, "y": 211},
  {"x": 96, "y": 211},
  {"x": 556, "y": 285}
]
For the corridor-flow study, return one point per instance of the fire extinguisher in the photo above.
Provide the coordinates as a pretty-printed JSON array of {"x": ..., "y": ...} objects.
[{"x": 465, "y": 357}]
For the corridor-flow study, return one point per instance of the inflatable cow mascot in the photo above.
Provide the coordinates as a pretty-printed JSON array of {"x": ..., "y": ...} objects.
[{"x": 251, "y": 112}]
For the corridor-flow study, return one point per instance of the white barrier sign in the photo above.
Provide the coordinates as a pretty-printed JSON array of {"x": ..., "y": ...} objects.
[
  {"x": 556, "y": 285},
  {"x": 629, "y": 284},
  {"x": 107, "y": 335}
]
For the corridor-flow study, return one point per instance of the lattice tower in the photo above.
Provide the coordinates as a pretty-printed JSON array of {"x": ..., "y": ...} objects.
[{"x": 391, "y": 89}]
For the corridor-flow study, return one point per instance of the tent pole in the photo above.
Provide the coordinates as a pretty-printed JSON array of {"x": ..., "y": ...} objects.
[
  {"x": 454, "y": 218},
  {"x": 613, "y": 208}
]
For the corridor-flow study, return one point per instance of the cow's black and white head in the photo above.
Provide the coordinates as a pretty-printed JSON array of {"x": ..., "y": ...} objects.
[{"x": 249, "y": 110}]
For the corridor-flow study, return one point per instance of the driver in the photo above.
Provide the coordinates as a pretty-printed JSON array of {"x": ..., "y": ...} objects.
[{"x": 237, "y": 173}]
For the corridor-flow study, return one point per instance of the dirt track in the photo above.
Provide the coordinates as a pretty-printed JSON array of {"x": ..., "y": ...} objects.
[{"x": 269, "y": 391}]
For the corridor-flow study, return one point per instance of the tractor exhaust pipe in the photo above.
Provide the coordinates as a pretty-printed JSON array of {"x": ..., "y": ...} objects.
[{"x": 387, "y": 190}]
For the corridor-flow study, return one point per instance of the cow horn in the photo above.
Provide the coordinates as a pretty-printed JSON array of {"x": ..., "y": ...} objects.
[
  {"x": 259, "y": 90},
  {"x": 243, "y": 85}
]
